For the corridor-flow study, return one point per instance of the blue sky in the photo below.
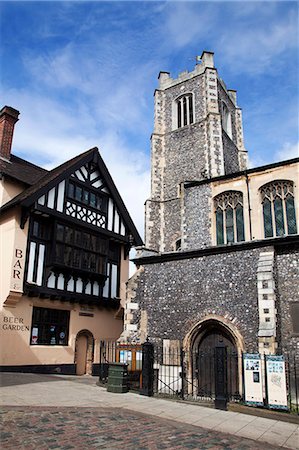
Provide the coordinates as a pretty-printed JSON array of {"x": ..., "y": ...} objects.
[{"x": 82, "y": 74}]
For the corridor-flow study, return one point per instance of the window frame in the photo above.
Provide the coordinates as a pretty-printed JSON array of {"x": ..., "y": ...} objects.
[
  {"x": 227, "y": 206},
  {"x": 100, "y": 253},
  {"x": 184, "y": 110},
  {"x": 273, "y": 194},
  {"x": 101, "y": 204},
  {"x": 226, "y": 116},
  {"x": 62, "y": 327}
]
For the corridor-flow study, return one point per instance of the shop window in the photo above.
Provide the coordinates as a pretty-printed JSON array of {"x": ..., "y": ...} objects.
[
  {"x": 184, "y": 110},
  {"x": 229, "y": 217},
  {"x": 278, "y": 209},
  {"x": 49, "y": 326}
]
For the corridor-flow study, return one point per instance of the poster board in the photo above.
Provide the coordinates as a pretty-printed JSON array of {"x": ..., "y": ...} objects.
[
  {"x": 276, "y": 382},
  {"x": 253, "y": 385}
]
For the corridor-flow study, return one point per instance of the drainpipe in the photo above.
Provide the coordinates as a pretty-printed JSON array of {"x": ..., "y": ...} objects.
[{"x": 249, "y": 207}]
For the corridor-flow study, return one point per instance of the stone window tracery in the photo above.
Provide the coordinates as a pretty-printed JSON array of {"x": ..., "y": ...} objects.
[
  {"x": 278, "y": 208},
  {"x": 229, "y": 217},
  {"x": 184, "y": 109}
]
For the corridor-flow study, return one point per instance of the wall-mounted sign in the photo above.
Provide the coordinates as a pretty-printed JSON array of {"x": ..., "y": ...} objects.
[
  {"x": 276, "y": 382},
  {"x": 253, "y": 379},
  {"x": 17, "y": 269},
  {"x": 14, "y": 324}
]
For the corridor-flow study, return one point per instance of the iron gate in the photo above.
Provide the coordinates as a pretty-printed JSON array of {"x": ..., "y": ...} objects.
[{"x": 200, "y": 376}]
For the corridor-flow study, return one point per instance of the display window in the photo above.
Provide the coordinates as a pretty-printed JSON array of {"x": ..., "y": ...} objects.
[{"x": 49, "y": 326}]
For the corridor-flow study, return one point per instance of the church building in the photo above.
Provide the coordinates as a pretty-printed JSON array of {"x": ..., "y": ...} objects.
[
  {"x": 65, "y": 241},
  {"x": 220, "y": 261}
]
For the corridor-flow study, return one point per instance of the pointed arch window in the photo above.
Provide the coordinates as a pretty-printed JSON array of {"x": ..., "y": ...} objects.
[
  {"x": 226, "y": 119},
  {"x": 229, "y": 217},
  {"x": 184, "y": 109},
  {"x": 278, "y": 208}
]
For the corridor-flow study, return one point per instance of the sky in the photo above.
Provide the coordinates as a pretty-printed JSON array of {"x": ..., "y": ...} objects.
[{"x": 82, "y": 74}]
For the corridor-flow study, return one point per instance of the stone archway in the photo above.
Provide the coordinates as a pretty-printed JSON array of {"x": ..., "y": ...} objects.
[
  {"x": 202, "y": 343},
  {"x": 84, "y": 352}
]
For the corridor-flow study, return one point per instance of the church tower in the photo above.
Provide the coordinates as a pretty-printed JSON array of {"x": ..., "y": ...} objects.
[{"x": 198, "y": 135}]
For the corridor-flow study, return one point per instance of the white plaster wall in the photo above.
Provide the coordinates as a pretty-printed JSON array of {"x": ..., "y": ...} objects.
[{"x": 15, "y": 343}]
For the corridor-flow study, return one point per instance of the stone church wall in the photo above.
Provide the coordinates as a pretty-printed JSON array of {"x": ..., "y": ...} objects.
[
  {"x": 197, "y": 222},
  {"x": 287, "y": 278},
  {"x": 178, "y": 294},
  {"x": 231, "y": 159},
  {"x": 186, "y": 158}
]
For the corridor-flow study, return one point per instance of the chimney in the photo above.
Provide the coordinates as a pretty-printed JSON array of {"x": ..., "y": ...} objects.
[{"x": 8, "y": 118}]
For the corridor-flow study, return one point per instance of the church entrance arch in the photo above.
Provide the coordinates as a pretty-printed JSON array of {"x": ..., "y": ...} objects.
[
  {"x": 215, "y": 349},
  {"x": 84, "y": 351}
]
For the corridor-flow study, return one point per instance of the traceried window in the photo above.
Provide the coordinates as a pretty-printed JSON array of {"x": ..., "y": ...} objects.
[
  {"x": 229, "y": 217},
  {"x": 185, "y": 114},
  {"x": 278, "y": 208}
]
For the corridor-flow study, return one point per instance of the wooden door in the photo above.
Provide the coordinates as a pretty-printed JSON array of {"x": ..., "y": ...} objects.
[
  {"x": 206, "y": 364},
  {"x": 82, "y": 344}
]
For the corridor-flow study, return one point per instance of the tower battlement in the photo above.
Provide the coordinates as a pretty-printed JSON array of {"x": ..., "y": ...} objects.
[{"x": 206, "y": 60}]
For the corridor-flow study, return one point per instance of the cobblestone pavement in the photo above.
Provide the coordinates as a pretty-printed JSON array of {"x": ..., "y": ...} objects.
[{"x": 67, "y": 428}]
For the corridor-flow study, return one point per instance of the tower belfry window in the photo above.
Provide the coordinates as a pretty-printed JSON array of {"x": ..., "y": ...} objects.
[
  {"x": 279, "y": 208},
  {"x": 229, "y": 217},
  {"x": 226, "y": 119},
  {"x": 184, "y": 107}
]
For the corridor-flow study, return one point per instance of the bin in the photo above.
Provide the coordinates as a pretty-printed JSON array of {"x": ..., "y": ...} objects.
[{"x": 117, "y": 378}]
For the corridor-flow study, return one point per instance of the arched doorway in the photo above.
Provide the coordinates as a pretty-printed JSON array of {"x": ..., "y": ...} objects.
[
  {"x": 84, "y": 350},
  {"x": 215, "y": 358}
]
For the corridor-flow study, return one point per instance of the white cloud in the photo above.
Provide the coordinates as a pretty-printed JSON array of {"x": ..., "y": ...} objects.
[
  {"x": 186, "y": 22},
  {"x": 255, "y": 35},
  {"x": 49, "y": 134},
  {"x": 288, "y": 151}
]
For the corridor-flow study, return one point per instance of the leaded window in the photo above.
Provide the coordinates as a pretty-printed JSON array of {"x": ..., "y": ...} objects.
[
  {"x": 86, "y": 197},
  {"x": 279, "y": 208},
  {"x": 229, "y": 217},
  {"x": 80, "y": 250},
  {"x": 185, "y": 110}
]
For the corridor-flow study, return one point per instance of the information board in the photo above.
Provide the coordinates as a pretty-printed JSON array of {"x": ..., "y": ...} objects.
[
  {"x": 253, "y": 379},
  {"x": 276, "y": 382}
]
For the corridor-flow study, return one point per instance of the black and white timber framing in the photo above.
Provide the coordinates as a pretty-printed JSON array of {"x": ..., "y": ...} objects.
[{"x": 79, "y": 229}]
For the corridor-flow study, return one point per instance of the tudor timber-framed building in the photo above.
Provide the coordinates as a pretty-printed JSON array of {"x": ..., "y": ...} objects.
[
  {"x": 65, "y": 240},
  {"x": 220, "y": 261}
]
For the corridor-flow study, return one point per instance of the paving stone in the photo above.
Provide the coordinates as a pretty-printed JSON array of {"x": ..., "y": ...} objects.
[{"x": 107, "y": 428}]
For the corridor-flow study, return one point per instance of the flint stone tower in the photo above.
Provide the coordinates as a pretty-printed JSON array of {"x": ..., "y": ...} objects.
[{"x": 198, "y": 134}]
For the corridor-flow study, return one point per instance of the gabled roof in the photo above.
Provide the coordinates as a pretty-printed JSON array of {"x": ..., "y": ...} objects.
[
  {"x": 30, "y": 195},
  {"x": 21, "y": 170}
]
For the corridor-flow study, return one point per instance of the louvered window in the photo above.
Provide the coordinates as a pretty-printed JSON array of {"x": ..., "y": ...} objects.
[
  {"x": 279, "y": 208},
  {"x": 185, "y": 115},
  {"x": 229, "y": 217}
]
